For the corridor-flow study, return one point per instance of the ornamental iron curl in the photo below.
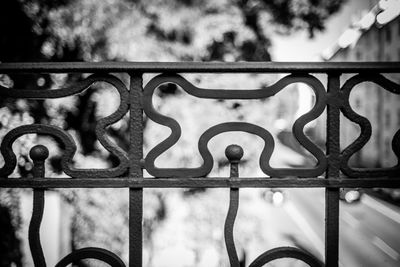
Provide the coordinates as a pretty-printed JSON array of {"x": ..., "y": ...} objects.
[
  {"x": 286, "y": 252},
  {"x": 366, "y": 130},
  {"x": 62, "y": 136},
  {"x": 205, "y": 168},
  {"x": 91, "y": 253},
  {"x": 65, "y": 141}
]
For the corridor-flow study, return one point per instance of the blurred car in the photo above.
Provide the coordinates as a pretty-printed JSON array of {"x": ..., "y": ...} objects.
[
  {"x": 388, "y": 193},
  {"x": 275, "y": 196},
  {"x": 350, "y": 195}
]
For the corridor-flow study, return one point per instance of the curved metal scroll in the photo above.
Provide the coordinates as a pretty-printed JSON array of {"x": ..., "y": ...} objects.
[
  {"x": 91, "y": 253},
  {"x": 229, "y": 223},
  {"x": 366, "y": 131},
  {"x": 38, "y": 154},
  {"x": 286, "y": 252},
  {"x": 59, "y": 134},
  {"x": 67, "y": 143},
  {"x": 204, "y": 169},
  {"x": 34, "y": 228}
]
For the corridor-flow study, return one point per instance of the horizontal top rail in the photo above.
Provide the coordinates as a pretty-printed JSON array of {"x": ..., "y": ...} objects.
[
  {"x": 200, "y": 67},
  {"x": 207, "y": 182}
]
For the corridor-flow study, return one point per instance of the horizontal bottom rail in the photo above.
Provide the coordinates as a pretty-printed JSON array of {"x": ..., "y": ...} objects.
[{"x": 209, "y": 182}]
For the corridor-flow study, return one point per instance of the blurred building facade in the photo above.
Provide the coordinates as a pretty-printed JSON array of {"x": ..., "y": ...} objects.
[{"x": 373, "y": 38}]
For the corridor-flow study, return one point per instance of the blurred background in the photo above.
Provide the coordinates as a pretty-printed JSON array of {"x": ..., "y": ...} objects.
[{"x": 185, "y": 227}]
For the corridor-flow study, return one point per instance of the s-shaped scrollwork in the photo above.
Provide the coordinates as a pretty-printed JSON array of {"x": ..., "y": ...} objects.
[
  {"x": 65, "y": 141},
  {"x": 366, "y": 130},
  {"x": 62, "y": 136},
  {"x": 205, "y": 168}
]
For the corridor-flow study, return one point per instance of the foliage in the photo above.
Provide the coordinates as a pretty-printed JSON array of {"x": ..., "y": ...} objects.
[
  {"x": 90, "y": 30},
  {"x": 10, "y": 253},
  {"x": 10, "y": 220}
]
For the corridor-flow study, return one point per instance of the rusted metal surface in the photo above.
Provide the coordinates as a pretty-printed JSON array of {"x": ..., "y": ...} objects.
[
  {"x": 135, "y": 170},
  {"x": 332, "y": 170}
]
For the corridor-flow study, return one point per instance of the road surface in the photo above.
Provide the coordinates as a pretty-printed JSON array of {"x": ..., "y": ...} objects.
[{"x": 369, "y": 230}]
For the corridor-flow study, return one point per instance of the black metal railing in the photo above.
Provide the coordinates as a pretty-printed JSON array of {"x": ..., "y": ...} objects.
[{"x": 331, "y": 172}]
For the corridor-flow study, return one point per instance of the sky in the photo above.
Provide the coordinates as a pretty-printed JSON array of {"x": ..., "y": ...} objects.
[{"x": 299, "y": 47}]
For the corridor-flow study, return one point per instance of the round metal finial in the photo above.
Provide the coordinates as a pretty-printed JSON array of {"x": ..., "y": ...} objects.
[
  {"x": 234, "y": 153},
  {"x": 39, "y": 153}
]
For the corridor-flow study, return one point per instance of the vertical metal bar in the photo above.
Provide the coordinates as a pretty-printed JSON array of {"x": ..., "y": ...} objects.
[
  {"x": 228, "y": 229},
  {"x": 234, "y": 153},
  {"x": 135, "y": 170},
  {"x": 38, "y": 155},
  {"x": 333, "y": 171}
]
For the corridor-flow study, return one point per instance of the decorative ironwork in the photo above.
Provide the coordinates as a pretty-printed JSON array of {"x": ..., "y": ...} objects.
[
  {"x": 365, "y": 126},
  {"x": 38, "y": 154},
  {"x": 129, "y": 172},
  {"x": 91, "y": 253},
  {"x": 63, "y": 137},
  {"x": 234, "y": 153},
  {"x": 202, "y": 171}
]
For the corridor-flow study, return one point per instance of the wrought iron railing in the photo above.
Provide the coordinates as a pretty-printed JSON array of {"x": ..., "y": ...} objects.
[{"x": 331, "y": 172}]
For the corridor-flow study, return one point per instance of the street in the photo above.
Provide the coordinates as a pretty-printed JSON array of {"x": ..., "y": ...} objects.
[{"x": 369, "y": 229}]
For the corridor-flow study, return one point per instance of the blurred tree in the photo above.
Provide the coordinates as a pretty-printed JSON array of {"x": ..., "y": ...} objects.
[
  {"x": 68, "y": 30},
  {"x": 89, "y": 30},
  {"x": 232, "y": 30}
]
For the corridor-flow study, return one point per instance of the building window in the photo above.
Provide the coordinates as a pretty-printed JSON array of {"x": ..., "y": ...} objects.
[
  {"x": 366, "y": 40},
  {"x": 387, "y": 119},
  {"x": 387, "y": 147},
  {"x": 398, "y": 27},
  {"x": 388, "y": 34},
  {"x": 358, "y": 55}
]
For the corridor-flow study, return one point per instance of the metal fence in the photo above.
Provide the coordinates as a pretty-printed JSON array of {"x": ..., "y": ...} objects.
[{"x": 331, "y": 172}]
